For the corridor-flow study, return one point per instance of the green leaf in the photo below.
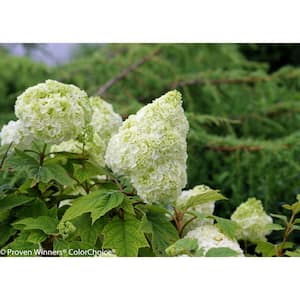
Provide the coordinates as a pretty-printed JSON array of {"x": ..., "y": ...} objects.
[
  {"x": 4, "y": 215},
  {"x": 24, "y": 161},
  {"x": 55, "y": 172},
  {"x": 287, "y": 206},
  {"x": 228, "y": 227},
  {"x": 200, "y": 216},
  {"x": 274, "y": 227},
  {"x": 296, "y": 227},
  {"x": 287, "y": 245},
  {"x": 74, "y": 156},
  {"x": 97, "y": 203},
  {"x": 87, "y": 170},
  {"x": 61, "y": 247},
  {"x": 146, "y": 225},
  {"x": 208, "y": 196},
  {"x": 124, "y": 236},
  {"x": 296, "y": 206},
  {"x": 5, "y": 188},
  {"x": 21, "y": 247},
  {"x": 44, "y": 223},
  {"x": 12, "y": 201},
  {"x": 221, "y": 252},
  {"x": 266, "y": 249},
  {"x": 49, "y": 171},
  {"x": 87, "y": 231},
  {"x": 35, "y": 209},
  {"x": 6, "y": 232},
  {"x": 187, "y": 246},
  {"x": 163, "y": 233},
  {"x": 153, "y": 208},
  {"x": 127, "y": 206},
  {"x": 295, "y": 253},
  {"x": 146, "y": 252},
  {"x": 281, "y": 217},
  {"x": 37, "y": 236},
  {"x": 70, "y": 248},
  {"x": 74, "y": 246}
]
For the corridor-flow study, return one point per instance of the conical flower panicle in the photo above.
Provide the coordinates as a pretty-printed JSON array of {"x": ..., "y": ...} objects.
[{"x": 150, "y": 148}]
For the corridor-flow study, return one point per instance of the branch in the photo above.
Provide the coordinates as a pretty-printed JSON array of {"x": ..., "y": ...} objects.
[
  {"x": 220, "y": 81},
  {"x": 234, "y": 148},
  {"x": 202, "y": 81},
  {"x": 125, "y": 72},
  {"x": 5, "y": 155},
  {"x": 229, "y": 149}
]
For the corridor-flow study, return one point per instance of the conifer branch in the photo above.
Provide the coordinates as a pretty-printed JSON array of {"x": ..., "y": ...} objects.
[
  {"x": 219, "y": 81},
  {"x": 201, "y": 81},
  {"x": 225, "y": 148},
  {"x": 125, "y": 72},
  {"x": 228, "y": 144}
]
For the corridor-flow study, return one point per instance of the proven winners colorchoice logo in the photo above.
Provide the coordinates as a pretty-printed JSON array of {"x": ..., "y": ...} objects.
[{"x": 63, "y": 252}]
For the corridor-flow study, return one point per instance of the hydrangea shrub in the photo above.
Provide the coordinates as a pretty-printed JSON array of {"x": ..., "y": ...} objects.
[{"x": 77, "y": 180}]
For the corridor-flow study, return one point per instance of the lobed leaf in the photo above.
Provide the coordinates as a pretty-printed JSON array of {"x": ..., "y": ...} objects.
[
  {"x": 13, "y": 200},
  {"x": 221, "y": 252},
  {"x": 98, "y": 203},
  {"x": 124, "y": 236},
  {"x": 228, "y": 227},
  {"x": 163, "y": 233},
  {"x": 55, "y": 172},
  {"x": 44, "y": 223},
  {"x": 208, "y": 196},
  {"x": 184, "y": 246}
]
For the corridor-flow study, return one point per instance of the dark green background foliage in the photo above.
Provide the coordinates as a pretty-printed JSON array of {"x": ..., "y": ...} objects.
[
  {"x": 242, "y": 102},
  {"x": 16, "y": 74}
]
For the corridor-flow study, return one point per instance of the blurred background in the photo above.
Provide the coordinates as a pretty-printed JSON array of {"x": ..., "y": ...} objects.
[{"x": 242, "y": 102}]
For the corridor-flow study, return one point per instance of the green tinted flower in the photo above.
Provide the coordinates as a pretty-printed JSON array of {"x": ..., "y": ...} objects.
[
  {"x": 53, "y": 112},
  {"x": 104, "y": 120},
  {"x": 94, "y": 148},
  {"x": 150, "y": 148},
  {"x": 252, "y": 221},
  {"x": 15, "y": 132},
  {"x": 209, "y": 236},
  {"x": 93, "y": 140},
  {"x": 65, "y": 229}
]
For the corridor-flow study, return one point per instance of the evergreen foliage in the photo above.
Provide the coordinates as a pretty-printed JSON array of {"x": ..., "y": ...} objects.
[
  {"x": 17, "y": 74},
  {"x": 244, "y": 117}
]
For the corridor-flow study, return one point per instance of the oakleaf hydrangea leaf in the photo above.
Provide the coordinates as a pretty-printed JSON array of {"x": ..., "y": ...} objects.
[
  {"x": 97, "y": 203},
  {"x": 124, "y": 236}
]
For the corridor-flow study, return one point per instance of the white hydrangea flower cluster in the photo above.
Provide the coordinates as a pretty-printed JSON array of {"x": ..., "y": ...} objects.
[
  {"x": 94, "y": 146},
  {"x": 104, "y": 123},
  {"x": 150, "y": 148},
  {"x": 104, "y": 120},
  {"x": 15, "y": 132},
  {"x": 54, "y": 112},
  {"x": 209, "y": 236},
  {"x": 252, "y": 220}
]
